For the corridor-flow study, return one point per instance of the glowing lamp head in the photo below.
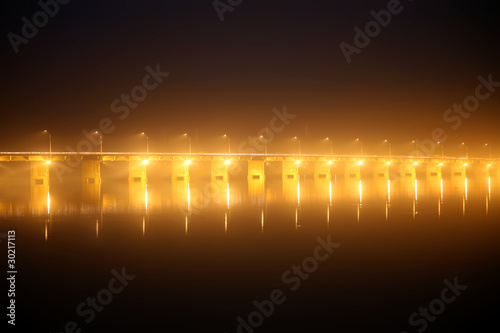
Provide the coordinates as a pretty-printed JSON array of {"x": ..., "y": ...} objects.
[
  {"x": 227, "y": 162},
  {"x": 298, "y": 162},
  {"x": 360, "y": 162},
  {"x": 441, "y": 164},
  {"x": 489, "y": 165},
  {"x": 415, "y": 163},
  {"x": 466, "y": 164},
  {"x": 188, "y": 162},
  {"x": 388, "y": 163},
  {"x": 330, "y": 162},
  {"x": 47, "y": 162},
  {"x": 145, "y": 162}
]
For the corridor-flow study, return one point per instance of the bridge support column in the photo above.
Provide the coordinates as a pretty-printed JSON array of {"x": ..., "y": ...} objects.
[
  {"x": 91, "y": 180},
  {"x": 220, "y": 170},
  {"x": 433, "y": 170},
  {"x": 322, "y": 170},
  {"x": 290, "y": 169},
  {"x": 180, "y": 170},
  {"x": 39, "y": 187},
  {"x": 408, "y": 170},
  {"x": 381, "y": 170},
  {"x": 352, "y": 170},
  {"x": 256, "y": 170},
  {"x": 137, "y": 171},
  {"x": 458, "y": 169}
]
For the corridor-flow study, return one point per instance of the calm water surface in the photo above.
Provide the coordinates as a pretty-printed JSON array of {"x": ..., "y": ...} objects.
[{"x": 202, "y": 252}]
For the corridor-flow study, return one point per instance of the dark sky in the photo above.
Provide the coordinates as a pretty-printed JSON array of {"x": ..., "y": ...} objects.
[{"x": 227, "y": 76}]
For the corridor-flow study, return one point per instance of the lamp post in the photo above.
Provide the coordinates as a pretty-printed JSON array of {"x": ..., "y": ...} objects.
[
  {"x": 486, "y": 145},
  {"x": 298, "y": 140},
  {"x": 361, "y": 146},
  {"x": 189, "y": 141},
  {"x": 466, "y": 150},
  {"x": 442, "y": 148},
  {"x": 147, "y": 143},
  {"x": 100, "y": 140},
  {"x": 390, "y": 152},
  {"x": 331, "y": 145},
  {"x": 228, "y": 143},
  {"x": 265, "y": 144},
  {"x": 50, "y": 144},
  {"x": 416, "y": 146}
]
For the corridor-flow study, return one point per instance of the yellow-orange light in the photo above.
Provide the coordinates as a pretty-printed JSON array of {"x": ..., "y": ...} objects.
[
  {"x": 388, "y": 163},
  {"x": 188, "y": 162},
  {"x": 489, "y": 165},
  {"x": 440, "y": 163},
  {"x": 227, "y": 162},
  {"x": 48, "y": 162},
  {"x": 415, "y": 163},
  {"x": 298, "y": 162},
  {"x": 330, "y": 162},
  {"x": 360, "y": 162},
  {"x": 145, "y": 162},
  {"x": 466, "y": 164}
]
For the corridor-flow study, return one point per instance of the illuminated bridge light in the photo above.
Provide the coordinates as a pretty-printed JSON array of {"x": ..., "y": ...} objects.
[
  {"x": 415, "y": 163},
  {"x": 227, "y": 162},
  {"x": 48, "y": 162},
  {"x": 145, "y": 162},
  {"x": 330, "y": 162},
  {"x": 188, "y": 162},
  {"x": 388, "y": 163},
  {"x": 298, "y": 162},
  {"x": 360, "y": 162}
]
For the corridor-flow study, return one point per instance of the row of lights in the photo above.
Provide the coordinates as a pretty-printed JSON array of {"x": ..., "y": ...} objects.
[{"x": 265, "y": 142}]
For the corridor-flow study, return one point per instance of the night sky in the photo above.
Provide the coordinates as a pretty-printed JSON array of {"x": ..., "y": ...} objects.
[{"x": 227, "y": 76}]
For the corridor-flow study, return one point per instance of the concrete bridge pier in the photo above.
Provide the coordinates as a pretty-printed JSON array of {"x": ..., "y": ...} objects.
[
  {"x": 353, "y": 169},
  {"x": 408, "y": 170},
  {"x": 39, "y": 187},
  {"x": 180, "y": 169},
  {"x": 256, "y": 170},
  {"x": 433, "y": 170},
  {"x": 290, "y": 169},
  {"x": 91, "y": 180},
  {"x": 137, "y": 170},
  {"x": 322, "y": 170},
  {"x": 220, "y": 170},
  {"x": 381, "y": 170}
]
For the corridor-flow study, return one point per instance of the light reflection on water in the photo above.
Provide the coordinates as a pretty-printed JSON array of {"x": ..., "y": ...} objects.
[{"x": 313, "y": 204}]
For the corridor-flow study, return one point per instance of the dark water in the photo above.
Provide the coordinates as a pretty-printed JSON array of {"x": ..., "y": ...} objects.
[{"x": 202, "y": 252}]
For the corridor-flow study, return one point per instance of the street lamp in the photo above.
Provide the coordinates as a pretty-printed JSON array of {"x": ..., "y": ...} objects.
[
  {"x": 189, "y": 141},
  {"x": 486, "y": 145},
  {"x": 265, "y": 143},
  {"x": 228, "y": 143},
  {"x": 331, "y": 145},
  {"x": 360, "y": 145},
  {"x": 100, "y": 140},
  {"x": 416, "y": 146},
  {"x": 50, "y": 144},
  {"x": 147, "y": 143},
  {"x": 442, "y": 149},
  {"x": 390, "y": 152},
  {"x": 466, "y": 150},
  {"x": 298, "y": 140}
]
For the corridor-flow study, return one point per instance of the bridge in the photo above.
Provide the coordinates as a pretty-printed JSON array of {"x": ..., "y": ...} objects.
[{"x": 349, "y": 166}]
